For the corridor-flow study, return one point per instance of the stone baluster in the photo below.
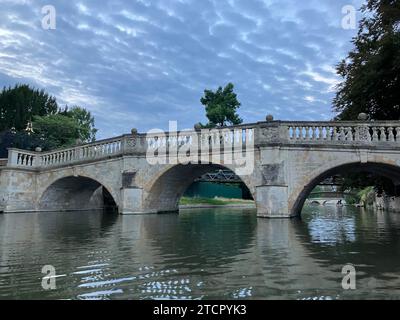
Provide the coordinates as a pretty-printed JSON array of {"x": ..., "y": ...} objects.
[
  {"x": 313, "y": 133},
  {"x": 323, "y": 133},
  {"x": 307, "y": 135},
  {"x": 288, "y": 133},
  {"x": 292, "y": 133},
  {"x": 350, "y": 134},
  {"x": 342, "y": 135},
  {"x": 375, "y": 136},
  {"x": 298, "y": 133},
  {"x": 383, "y": 134},
  {"x": 335, "y": 134},
  {"x": 391, "y": 135}
]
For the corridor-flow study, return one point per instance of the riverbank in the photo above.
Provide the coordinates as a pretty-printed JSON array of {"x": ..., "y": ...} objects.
[{"x": 188, "y": 203}]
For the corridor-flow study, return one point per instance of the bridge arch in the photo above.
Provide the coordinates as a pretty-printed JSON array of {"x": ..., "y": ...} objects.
[
  {"x": 165, "y": 190},
  {"x": 387, "y": 170},
  {"x": 76, "y": 193}
]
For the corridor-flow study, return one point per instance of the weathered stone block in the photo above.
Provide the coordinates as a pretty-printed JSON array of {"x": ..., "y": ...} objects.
[
  {"x": 128, "y": 179},
  {"x": 272, "y": 202},
  {"x": 131, "y": 201},
  {"x": 272, "y": 174}
]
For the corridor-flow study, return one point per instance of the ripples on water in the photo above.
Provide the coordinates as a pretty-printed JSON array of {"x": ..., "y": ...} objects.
[{"x": 198, "y": 254}]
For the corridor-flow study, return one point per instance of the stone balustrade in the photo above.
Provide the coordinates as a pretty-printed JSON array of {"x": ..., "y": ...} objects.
[
  {"x": 97, "y": 150},
  {"x": 22, "y": 158},
  {"x": 93, "y": 151},
  {"x": 258, "y": 134},
  {"x": 345, "y": 132},
  {"x": 204, "y": 138}
]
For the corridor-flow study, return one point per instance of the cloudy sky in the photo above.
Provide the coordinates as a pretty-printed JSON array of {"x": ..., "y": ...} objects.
[{"x": 141, "y": 63}]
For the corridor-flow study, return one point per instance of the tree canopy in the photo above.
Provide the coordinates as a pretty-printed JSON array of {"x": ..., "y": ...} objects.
[
  {"x": 371, "y": 78},
  {"x": 52, "y": 126},
  {"x": 85, "y": 120},
  {"x": 20, "y": 104},
  {"x": 57, "y": 130},
  {"x": 221, "y": 106},
  {"x": 371, "y": 71}
]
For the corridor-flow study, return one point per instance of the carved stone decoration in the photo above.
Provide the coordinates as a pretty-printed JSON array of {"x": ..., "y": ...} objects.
[
  {"x": 363, "y": 133},
  {"x": 134, "y": 131},
  {"x": 270, "y": 134},
  {"x": 197, "y": 126},
  {"x": 131, "y": 143},
  {"x": 272, "y": 174},
  {"x": 269, "y": 118},
  {"x": 128, "y": 179}
]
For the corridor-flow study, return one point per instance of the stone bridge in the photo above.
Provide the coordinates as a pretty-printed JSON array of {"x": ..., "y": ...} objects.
[{"x": 279, "y": 161}]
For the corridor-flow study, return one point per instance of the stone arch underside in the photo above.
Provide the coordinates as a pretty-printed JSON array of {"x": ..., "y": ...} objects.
[
  {"x": 389, "y": 171},
  {"x": 164, "y": 193},
  {"x": 76, "y": 193}
]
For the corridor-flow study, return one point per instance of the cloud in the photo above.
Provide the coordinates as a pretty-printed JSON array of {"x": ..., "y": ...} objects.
[{"x": 143, "y": 63}]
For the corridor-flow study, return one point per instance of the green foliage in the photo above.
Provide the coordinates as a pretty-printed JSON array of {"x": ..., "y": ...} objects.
[
  {"x": 363, "y": 180},
  {"x": 221, "y": 106},
  {"x": 20, "y": 140},
  {"x": 18, "y": 105},
  {"x": 366, "y": 195},
  {"x": 211, "y": 201},
  {"x": 363, "y": 196},
  {"x": 85, "y": 120},
  {"x": 53, "y": 128},
  {"x": 371, "y": 71},
  {"x": 57, "y": 130},
  {"x": 351, "y": 199}
]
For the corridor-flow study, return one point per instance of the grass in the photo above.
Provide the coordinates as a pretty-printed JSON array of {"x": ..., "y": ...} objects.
[{"x": 212, "y": 201}]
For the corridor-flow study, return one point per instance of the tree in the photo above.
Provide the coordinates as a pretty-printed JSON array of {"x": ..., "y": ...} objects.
[
  {"x": 20, "y": 104},
  {"x": 53, "y": 127},
  {"x": 56, "y": 130},
  {"x": 85, "y": 120},
  {"x": 221, "y": 106},
  {"x": 21, "y": 140},
  {"x": 371, "y": 76},
  {"x": 371, "y": 71}
]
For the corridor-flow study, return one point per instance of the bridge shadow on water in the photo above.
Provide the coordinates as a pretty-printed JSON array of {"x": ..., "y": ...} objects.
[{"x": 213, "y": 236}]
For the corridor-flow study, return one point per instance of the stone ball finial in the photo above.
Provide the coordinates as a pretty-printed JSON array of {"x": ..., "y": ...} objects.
[
  {"x": 38, "y": 149},
  {"x": 269, "y": 118},
  {"x": 78, "y": 141},
  {"x": 362, "y": 116},
  {"x": 134, "y": 131},
  {"x": 197, "y": 126}
]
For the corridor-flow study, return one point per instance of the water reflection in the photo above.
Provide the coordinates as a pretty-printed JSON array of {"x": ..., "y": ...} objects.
[
  {"x": 214, "y": 254},
  {"x": 331, "y": 226}
]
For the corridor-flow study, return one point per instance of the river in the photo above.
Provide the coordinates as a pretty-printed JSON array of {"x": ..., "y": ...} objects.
[{"x": 201, "y": 254}]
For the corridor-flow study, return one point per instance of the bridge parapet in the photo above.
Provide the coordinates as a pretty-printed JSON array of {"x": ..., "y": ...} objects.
[
  {"x": 372, "y": 133},
  {"x": 203, "y": 139},
  {"x": 340, "y": 133},
  {"x": 61, "y": 157},
  {"x": 22, "y": 158}
]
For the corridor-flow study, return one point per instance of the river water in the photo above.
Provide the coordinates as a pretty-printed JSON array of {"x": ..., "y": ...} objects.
[{"x": 201, "y": 254}]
